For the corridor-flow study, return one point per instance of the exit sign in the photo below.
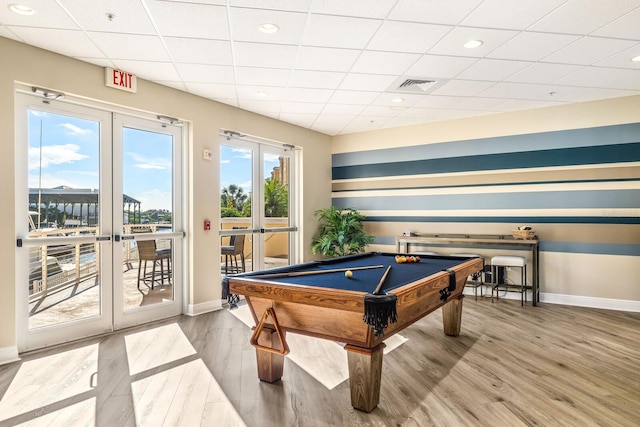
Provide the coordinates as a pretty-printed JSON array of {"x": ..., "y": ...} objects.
[{"x": 121, "y": 80}]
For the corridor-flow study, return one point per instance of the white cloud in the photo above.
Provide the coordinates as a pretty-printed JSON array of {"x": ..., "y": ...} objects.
[
  {"x": 75, "y": 130},
  {"x": 54, "y": 155},
  {"x": 155, "y": 199},
  {"x": 142, "y": 162}
]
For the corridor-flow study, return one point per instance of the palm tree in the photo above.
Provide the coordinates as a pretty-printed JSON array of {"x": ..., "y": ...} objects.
[
  {"x": 234, "y": 197},
  {"x": 276, "y": 199}
]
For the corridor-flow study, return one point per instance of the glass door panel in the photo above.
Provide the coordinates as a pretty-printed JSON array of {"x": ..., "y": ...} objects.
[
  {"x": 256, "y": 206},
  {"x": 276, "y": 190},
  {"x": 237, "y": 169},
  {"x": 64, "y": 279},
  {"x": 147, "y": 158}
]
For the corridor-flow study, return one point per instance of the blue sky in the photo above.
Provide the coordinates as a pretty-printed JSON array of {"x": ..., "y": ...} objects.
[
  {"x": 70, "y": 156},
  {"x": 235, "y": 166}
]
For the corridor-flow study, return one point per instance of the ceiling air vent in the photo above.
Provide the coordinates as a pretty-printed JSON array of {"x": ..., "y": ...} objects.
[
  {"x": 423, "y": 85},
  {"x": 415, "y": 85}
]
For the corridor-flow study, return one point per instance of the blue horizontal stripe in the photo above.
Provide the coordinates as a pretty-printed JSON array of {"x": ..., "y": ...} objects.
[
  {"x": 546, "y": 246},
  {"x": 511, "y": 219},
  {"x": 615, "y": 153},
  {"x": 599, "y": 199},
  {"x": 598, "y": 136}
]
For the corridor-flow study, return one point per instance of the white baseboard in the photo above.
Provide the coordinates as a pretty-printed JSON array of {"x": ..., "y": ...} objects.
[
  {"x": 575, "y": 300},
  {"x": 203, "y": 307},
  {"x": 8, "y": 355},
  {"x": 581, "y": 301}
]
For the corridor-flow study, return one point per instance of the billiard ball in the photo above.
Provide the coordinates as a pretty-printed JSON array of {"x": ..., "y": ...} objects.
[{"x": 348, "y": 273}]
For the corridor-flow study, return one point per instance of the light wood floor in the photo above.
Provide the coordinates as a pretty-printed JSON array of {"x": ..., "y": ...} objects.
[{"x": 511, "y": 366}]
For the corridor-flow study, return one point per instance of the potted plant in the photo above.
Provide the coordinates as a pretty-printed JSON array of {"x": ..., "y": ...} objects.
[{"x": 341, "y": 233}]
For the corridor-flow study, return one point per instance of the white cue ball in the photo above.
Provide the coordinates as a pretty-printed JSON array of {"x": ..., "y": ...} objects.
[{"x": 348, "y": 273}]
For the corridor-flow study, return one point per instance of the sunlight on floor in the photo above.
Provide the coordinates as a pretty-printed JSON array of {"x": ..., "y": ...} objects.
[
  {"x": 156, "y": 347},
  {"x": 174, "y": 393},
  {"x": 45, "y": 381}
]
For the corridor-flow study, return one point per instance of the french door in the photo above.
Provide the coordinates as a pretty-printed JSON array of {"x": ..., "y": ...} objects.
[
  {"x": 93, "y": 185},
  {"x": 258, "y": 205}
]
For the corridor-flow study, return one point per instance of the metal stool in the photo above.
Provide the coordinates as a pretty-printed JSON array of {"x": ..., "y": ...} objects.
[
  {"x": 475, "y": 280},
  {"x": 509, "y": 261}
]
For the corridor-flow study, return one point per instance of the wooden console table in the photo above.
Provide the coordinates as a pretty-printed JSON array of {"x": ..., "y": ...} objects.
[{"x": 404, "y": 243}]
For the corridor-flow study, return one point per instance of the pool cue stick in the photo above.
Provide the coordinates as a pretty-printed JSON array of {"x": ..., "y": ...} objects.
[
  {"x": 310, "y": 273},
  {"x": 384, "y": 277}
]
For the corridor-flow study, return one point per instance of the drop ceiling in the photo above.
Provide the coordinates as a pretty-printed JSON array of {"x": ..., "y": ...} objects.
[{"x": 335, "y": 66}]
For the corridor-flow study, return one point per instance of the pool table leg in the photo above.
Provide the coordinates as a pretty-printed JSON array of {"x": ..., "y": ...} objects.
[
  {"x": 365, "y": 374},
  {"x": 270, "y": 365},
  {"x": 452, "y": 316}
]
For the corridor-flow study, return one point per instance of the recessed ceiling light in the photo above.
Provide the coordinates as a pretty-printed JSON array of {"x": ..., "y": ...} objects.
[
  {"x": 472, "y": 44},
  {"x": 636, "y": 58},
  {"x": 269, "y": 28},
  {"x": 21, "y": 9},
  {"x": 397, "y": 100}
]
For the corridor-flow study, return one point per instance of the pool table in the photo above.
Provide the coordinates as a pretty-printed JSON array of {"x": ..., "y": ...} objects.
[{"x": 330, "y": 305}]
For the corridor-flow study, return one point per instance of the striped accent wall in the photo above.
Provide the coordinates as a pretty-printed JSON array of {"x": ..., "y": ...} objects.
[{"x": 580, "y": 189}]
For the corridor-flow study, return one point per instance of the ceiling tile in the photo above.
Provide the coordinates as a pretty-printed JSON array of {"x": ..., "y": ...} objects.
[
  {"x": 594, "y": 94},
  {"x": 625, "y": 27},
  {"x": 47, "y": 14},
  {"x": 264, "y": 55},
  {"x": 524, "y": 104},
  {"x": 154, "y": 71},
  {"x": 199, "y": 51},
  {"x": 407, "y": 99},
  {"x": 591, "y": 76},
  {"x": 200, "y": 73},
  {"x": 588, "y": 50},
  {"x": 541, "y": 72},
  {"x": 460, "y": 114},
  {"x": 260, "y": 106},
  {"x": 423, "y": 113},
  {"x": 315, "y": 79},
  {"x": 262, "y": 76},
  {"x": 367, "y": 82},
  {"x": 492, "y": 70},
  {"x": 354, "y": 97},
  {"x": 359, "y": 8},
  {"x": 516, "y": 15},
  {"x": 622, "y": 59},
  {"x": 408, "y": 37},
  {"x": 189, "y": 19},
  {"x": 302, "y": 107},
  {"x": 129, "y": 46},
  {"x": 300, "y": 119},
  {"x": 563, "y": 19},
  {"x": 308, "y": 94},
  {"x": 440, "y": 67},
  {"x": 291, "y": 5},
  {"x": 507, "y": 90},
  {"x": 382, "y": 111},
  {"x": 453, "y": 43},
  {"x": 261, "y": 93},
  {"x": 384, "y": 62},
  {"x": 128, "y": 17},
  {"x": 325, "y": 59},
  {"x": 532, "y": 46},
  {"x": 339, "y": 32},
  {"x": 245, "y": 23},
  {"x": 481, "y": 104},
  {"x": 444, "y": 102},
  {"x": 433, "y": 11},
  {"x": 349, "y": 110},
  {"x": 630, "y": 81},
  {"x": 462, "y": 88},
  {"x": 550, "y": 93},
  {"x": 66, "y": 42},
  {"x": 214, "y": 91}
]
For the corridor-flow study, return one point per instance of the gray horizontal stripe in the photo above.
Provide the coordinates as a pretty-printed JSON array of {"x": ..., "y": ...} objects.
[
  {"x": 510, "y": 219},
  {"x": 605, "y": 135},
  {"x": 565, "y": 247},
  {"x": 604, "y": 199}
]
